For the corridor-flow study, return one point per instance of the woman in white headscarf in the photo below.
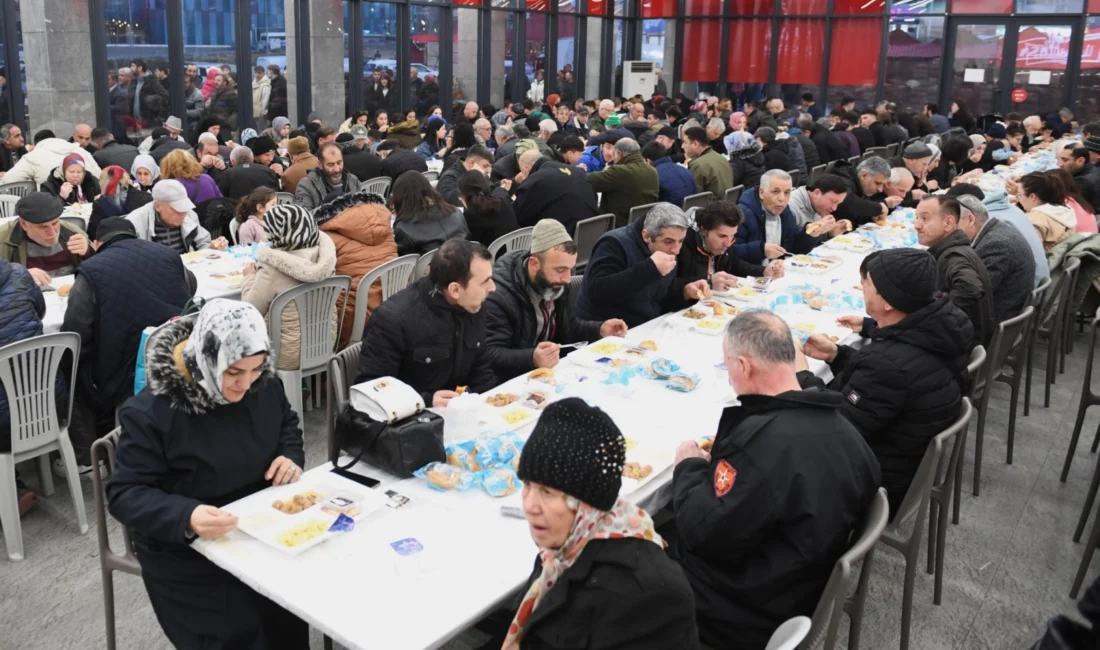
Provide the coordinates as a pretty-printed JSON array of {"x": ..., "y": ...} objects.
[
  {"x": 145, "y": 171},
  {"x": 211, "y": 426}
]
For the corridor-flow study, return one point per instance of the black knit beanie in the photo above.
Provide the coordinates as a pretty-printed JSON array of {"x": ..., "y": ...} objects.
[
  {"x": 904, "y": 277},
  {"x": 576, "y": 448}
]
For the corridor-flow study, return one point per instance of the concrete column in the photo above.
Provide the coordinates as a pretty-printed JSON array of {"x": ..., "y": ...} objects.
[
  {"x": 56, "y": 42},
  {"x": 592, "y": 61},
  {"x": 326, "y": 52},
  {"x": 670, "y": 55},
  {"x": 499, "y": 28},
  {"x": 465, "y": 53},
  {"x": 291, "y": 25}
]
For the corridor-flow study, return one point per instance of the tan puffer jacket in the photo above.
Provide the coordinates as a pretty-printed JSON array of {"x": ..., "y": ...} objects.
[
  {"x": 359, "y": 225},
  {"x": 277, "y": 271}
]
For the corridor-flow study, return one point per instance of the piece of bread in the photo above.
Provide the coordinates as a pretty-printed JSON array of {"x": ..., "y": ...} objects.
[
  {"x": 64, "y": 290},
  {"x": 648, "y": 345},
  {"x": 541, "y": 373},
  {"x": 444, "y": 476}
]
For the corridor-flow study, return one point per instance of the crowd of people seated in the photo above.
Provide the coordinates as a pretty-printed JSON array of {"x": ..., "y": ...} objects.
[{"x": 749, "y": 546}]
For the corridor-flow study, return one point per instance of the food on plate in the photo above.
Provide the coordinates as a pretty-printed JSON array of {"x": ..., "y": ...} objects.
[
  {"x": 804, "y": 259},
  {"x": 343, "y": 503},
  {"x": 808, "y": 294},
  {"x": 705, "y": 443},
  {"x": 64, "y": 290},
  {"x": 682, "y": 383},
  {"x": 620, "y": 363},
  {"x": 844, "y": 239},
  {"x": 817, "y": 302},
  {"x": 446, "y": 477},
  {"x": 302, "y": 533},
  {"x": 710, "y": 324},
  {"x": 636, "y": 471},
  {"x": 746, "y": 292},
  {"x": 648, "y": 345},
  {"x": 721, "y": 309},
  {"x": 638, "y": 351},
  {"x": 695, "y": 314},
  {"x": 536, "y": 398},
  {"x": 545, "y": 375},
  {"x": 605, "y": 347},
  {"x": 819, "y": 265},
  {"x": 847, "y": 225},
  {"x": 501, "y": 399},
  {"x": 804, "y": 327},
  {"x": 297, "y": 503},
  {"x": 499, "y": 482},
  {"x": 515, "y": 417}
]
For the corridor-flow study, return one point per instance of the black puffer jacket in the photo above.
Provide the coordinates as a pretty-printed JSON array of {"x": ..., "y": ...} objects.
[
  {"x": 693, "y": 263},
  {"x": 620, "y": 593},
  {"x": 555, "y": 190},
  {"x": 829, "y": 146},
  {"x": 1088, "y": 184},
  {"x": 776, "y": 156},
  {"x": 421, "y": 339},
  {"x": 747, "y": 165},
  {"x": 961, "y": 274},
  {"x": 511, "y": 319},
  {"x": 809, "y": 150},
  {"x": 89, "y": 186},
  {"x": 905, "y": 388},
  {"x": 856, "y": 207},
  {"x": 399, "y": 161},
  {"x": 488, "y": 225}
]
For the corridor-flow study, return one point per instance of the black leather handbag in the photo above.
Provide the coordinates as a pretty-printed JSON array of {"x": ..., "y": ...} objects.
[{"x": 399, "y": 448}]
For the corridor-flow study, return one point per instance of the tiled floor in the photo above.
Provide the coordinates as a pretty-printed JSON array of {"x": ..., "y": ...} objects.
[{"x": 1009, "y": 563}]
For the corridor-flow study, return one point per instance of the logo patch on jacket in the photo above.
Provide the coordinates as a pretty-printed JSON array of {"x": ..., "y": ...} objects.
[
  {"x": 724, "y": 476},
  {"x": 853, "y": 397}
]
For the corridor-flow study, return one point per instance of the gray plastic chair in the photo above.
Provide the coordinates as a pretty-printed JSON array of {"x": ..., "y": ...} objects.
[
  {"x": 1070, "y": 317},
  {"x": 697, "y": 200},
  {"x": 974, "y": 372},
  {"x": 7, "y": 205},
  {"x": 342, "y": 368},
  {"x": 284, "y": 198},
  {"x": 640, "y": 211},
  {"x": 380, "y": 186},
  {"x": 834, "y": 599},
  {"x": 1089, "y": 397},
  {"x": 19, "y": 188},
  {"x": 28, "y": 370},
  {"x": 575, "y": 283},
  {"x": 853, "y": 161},
  {"x": 788, "y": 635},
  {"x": 516, "y": 240},
  {"x": 875, "y": 151},
  {"x": 915, "y": 507},
  {"x": 395, "y": 275},
  {"x": 1039, "y": 296},
  {"x": 423, "y": 264},
  {"x": 816, "y": 173},
  {"x": 76, "y": 222},
  {"x": 943, "y": 483},
  {"x": 317, "y": 306},
  {"x": 103, "y": 451},
  {"x": 587, "y": 233},
  {"x": 733, "y": 194},
  {"x": 1055, "y": 326},
  {"x": 798, "y": 178},
  {"x": 893, "y": 150}
]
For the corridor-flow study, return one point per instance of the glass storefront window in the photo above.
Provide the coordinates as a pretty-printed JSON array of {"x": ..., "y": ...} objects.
[
  {"x": 658, "y": 8},
  {"x": 914, "y": 57},
  {"x": 1042, "y": 53},
  {"x": 380, "y": 60},
  {"x": 981, "y": 6},
  {"x": 653, "y": 40},
  {"x": 1049, "y": 6},
  {"x": 617, "y": 90},
  {"x": 1088, "y": 85},
  {"x": 137, "y": 34},
  {"x": 424, "y": 25},
  {"x": 789, "y": 7},
  {"x": 566, "y": 63},
  {"x": 977, "y": 66},
  {"x": 701, "y": 38},
  {"x": 209, "y": 42},
  {"x": 844, "y": 7},
  {"x": 539, "y": 84},
  {"x": 268, "y": 28}
]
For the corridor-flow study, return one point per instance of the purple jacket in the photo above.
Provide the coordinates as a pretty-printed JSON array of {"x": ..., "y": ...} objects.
[{"x": 206, "y": 188}]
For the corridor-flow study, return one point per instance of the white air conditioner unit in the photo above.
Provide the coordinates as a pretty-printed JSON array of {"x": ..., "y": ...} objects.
[{"x": 640, "y": 78}]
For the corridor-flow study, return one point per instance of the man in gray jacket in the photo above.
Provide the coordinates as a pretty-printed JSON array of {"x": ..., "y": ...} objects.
[
  {"x": 321, "y": 181},
  {"x": 171, "y": 220},
  {"x": 997, "y": 204},
  {"x": 1005, "y": 254}
]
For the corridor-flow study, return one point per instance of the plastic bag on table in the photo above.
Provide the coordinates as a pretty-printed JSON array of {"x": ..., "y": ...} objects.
[
  {"x": 499, "y": 481},
  {"x": 443, "y": 477}
]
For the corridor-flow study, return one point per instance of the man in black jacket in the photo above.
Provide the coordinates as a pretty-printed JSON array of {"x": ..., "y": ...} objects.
[
  {"x": 397, "y": 160},
  {"x": 245, "y": 175},
  {"x": 762, "y": 519},
  {"x": 1075, "y": 160},
  {"x": 12, "y": 147},
  {"x": 864, "y": 201},
  {"x": 359, "y": 159},
  {"x": 907, "y": 386},
  {"x": 828, "y": 144},
  {"x": 478, "y": 157},
  {"x": 960, "y": 272},
  {"x": 775, "y": 151},
  {"x": 128, "y": 285},
  {"x": 916, "y": 158},
  {"x": 111, "y": 152},
  {"x": 432, "y": 335},
  {"x": 529, "y": 315},
  {"x": 865, "y": 120},
  {"x": 553, "y": 190}
]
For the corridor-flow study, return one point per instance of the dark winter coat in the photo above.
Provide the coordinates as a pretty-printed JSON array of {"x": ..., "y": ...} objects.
[
  {"x": 555, "y": 190},
  {"x": 511, "y": 322},
  {"x": 418, "y": 337},
  {"x": 1088, "y": 184},
  {"x": 1010, "y": 265},
  {"x": 693, "y": 263},
  {"x": 621, "y": 281},
  {"x": 748, "y": 165},
  {"x": 399, "y": 161},
  {"x": 315, "y": 186},
  {"x": 238, "y": 182},
  {"x": 362, "y": 163},
  {"x": 104, "y": 207},
  {"x": 829, "y": 147},
  {"x": 427, "y": 231},
  {"x": 488, "y": 226},
  {"x": 775, "y": 156},
  {"x": 903, "y": 389},
  {"x": 961, "y": 274},
  {"x": 676, "y": 182},
  {"x": 619, "y": 594},
  {"x": 850, "y": 142},
  {"x": 89, "y": 186},
  {"x": 447, "y": 184},
  {"x": 128, "y": 285},
  {"x": 7, "y": 160},
  {"x": 626, "y": 184},
  {"x": 796, "y": 479},
  {"x": 116, "y": 153},
  {"x": 797, "y": 157},
  {"x": 856, "y": 207},
  {"x": 749, "y": 244},
  {"x": 809, "y": 150},
  {"x": 164, "y": 146},
  {"x": 864, "y": 137}
]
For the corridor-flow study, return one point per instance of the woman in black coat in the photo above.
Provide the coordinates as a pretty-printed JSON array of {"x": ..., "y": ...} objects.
[
  {"x": 211, "y": 426},
  {"x": 602, "y": 579},
  {"x": 746, "y": 158},
  {"x": 71, "y": 182},
  {"x": 120, "y": 197},
  {"x": 488, "y": 215}
]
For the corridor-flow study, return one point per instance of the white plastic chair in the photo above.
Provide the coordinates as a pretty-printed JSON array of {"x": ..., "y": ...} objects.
[
  {"x": 431, "y": 176},
  {"x": 515, "y": 240},
  {"x": 395, "y": 275},
  {"x": 234, "y": 226},
  {"x": 7, "y": 205},
  {"x": 790, "y": 634},
  {"x": 379, "y": 186},
  {"x": 284, "y": 198},
  {"x": 422, "y": 265},
  {"x": 317, "y": 306},
  {"x": 28, "y": 370},
  {"x": 19, "y": 188}
]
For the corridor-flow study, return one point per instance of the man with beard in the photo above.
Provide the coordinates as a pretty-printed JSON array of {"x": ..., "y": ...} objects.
[{"x": 529, "y": 316}]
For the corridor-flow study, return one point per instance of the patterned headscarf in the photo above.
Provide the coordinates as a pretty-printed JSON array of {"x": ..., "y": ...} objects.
[
  {"x": 247, "y": 135},
  {"x": 738, "y": 140},
  {"x": 623, "y": 520},
  {"x": 290, "y": 228},
  {"x": 225, "y": 332}
]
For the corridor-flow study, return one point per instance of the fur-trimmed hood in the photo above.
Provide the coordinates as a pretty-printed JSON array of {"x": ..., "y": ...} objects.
[
  {"x": 164, "y": 378},
  {"x": 330, "y": 209},
  {"x": 306, "y": 265},
  {"x": 748, "y": 152}
]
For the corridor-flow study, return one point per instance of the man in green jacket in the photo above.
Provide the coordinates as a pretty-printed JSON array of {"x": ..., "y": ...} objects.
[
  {"x": 627, "y": 183},
  {"x": 712, "y": 172},
  {"x": 596, "y": 122},
  {"x": 39, "y": 240}
]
